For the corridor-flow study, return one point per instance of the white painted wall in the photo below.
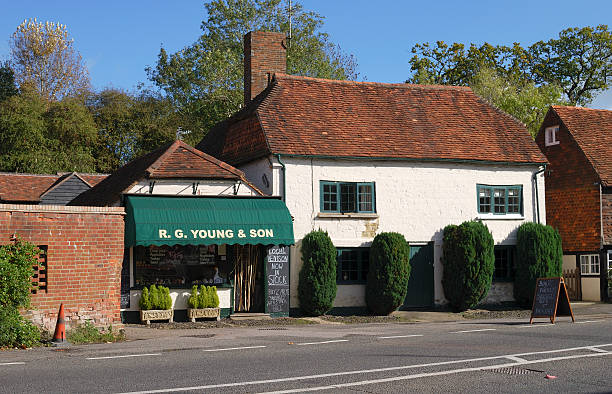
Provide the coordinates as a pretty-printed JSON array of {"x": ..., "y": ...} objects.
[
  {"x": 591, "y": 288},
  {"x": 184, "y": 187},
  {"x": 415, "y": 199},
  {"x": 260, "y": 173}
]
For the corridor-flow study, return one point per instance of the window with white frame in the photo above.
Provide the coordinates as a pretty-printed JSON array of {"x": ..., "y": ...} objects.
[
  {"x": 500, "y": 200},
  {"x": 589, "y": 264},
  {"x": 609, "y": 261},
  {"x": 551, "y": 135}
]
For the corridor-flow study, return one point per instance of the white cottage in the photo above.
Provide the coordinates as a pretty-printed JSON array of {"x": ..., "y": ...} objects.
[{"x": 358, "y": 158}]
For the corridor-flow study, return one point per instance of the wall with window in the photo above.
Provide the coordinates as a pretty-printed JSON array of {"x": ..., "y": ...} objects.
[{"x": 415, "y": 199}]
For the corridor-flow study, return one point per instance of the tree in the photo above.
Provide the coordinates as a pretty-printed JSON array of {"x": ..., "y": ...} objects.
[
  {"x": 579, "y": 62},
  {"x": 317, "y": 279},
  {"x": 45, "y": 61},
  {"x": 388, "y": 273},
  {"x": 205, "y": 80},
  {"x": 520, "y": 98},
  {"x": 7, "y": 81}
]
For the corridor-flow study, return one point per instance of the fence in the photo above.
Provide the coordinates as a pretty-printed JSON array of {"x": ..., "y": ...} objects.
[{"x": 573, "y": 284}]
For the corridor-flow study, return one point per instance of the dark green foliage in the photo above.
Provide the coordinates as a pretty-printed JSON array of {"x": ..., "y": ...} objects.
[
  {"x": 203, "y": 297},
  {"x": 207, "y": 297},
  {"x": 215, "y": 297},
  {"x": 16, "y": 331},
  {"x": 388, "y": 273},
  {"x": 155, "y": 297},
  {"x": 539, "y": 255},
  {"x": 145, "y": 300},
  {"x": 469, "y": 262},
  {"x": 8, "y": 87},
  {"x": 317, "y": 281},
  {"x": 16, "y": 262}
]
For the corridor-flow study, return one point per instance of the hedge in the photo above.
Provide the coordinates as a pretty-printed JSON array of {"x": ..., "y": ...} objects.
[{"x": 317, "y": 279}]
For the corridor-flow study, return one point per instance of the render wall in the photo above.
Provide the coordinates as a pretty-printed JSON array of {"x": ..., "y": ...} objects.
[
  {"x": 184, "y": 187},
  {"x": 415, "y": 199},
  {"x": 84, "y": 257}
]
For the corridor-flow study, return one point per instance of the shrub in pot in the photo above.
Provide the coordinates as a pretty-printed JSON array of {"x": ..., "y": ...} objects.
[
  {"x": 155, "y": 304},
  {"x": 204, "y": 303}
]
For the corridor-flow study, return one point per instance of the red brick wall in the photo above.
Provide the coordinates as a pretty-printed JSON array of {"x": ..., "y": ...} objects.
[
  {"x": 606, "y": 208},
  {"x": 264, "y": 55},
  {"x": 572, "y": 192},
  {"x": 85, "y": 254}
]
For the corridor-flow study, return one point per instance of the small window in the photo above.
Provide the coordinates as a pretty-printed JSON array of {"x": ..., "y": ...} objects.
[
  {"x": 353, "y": 264},
  {"x": 504, "y": 263},
  {"x": 551, "y": 135},
  {"x": 500, "y": 200},
  {"x": 347, "y": 197},
  {"x": 39, "y": 277},
  {"x": 589, "y": 264}
]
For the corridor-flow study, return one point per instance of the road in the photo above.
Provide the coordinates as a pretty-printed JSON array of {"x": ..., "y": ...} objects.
[{"x": 469, "y": 356}]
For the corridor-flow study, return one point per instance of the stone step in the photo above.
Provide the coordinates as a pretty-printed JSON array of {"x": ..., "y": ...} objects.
[{"x": 249, "y": 316}]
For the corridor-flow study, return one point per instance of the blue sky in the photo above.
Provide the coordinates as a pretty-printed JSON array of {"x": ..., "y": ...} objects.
[{"x": 118, "y": 39}]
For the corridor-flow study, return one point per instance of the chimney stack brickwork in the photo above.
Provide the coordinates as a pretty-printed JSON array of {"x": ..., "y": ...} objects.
[{"x": 264, "y": 54}]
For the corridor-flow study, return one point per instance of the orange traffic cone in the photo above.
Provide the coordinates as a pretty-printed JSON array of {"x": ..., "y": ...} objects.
[{"x": 59, "y": 337}]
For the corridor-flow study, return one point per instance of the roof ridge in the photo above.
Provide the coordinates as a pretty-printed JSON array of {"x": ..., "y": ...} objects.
[
  {"x": 573, "y": 107},
  {"x": 29, "y": 174},
  {"x": 281, "y": 76}
]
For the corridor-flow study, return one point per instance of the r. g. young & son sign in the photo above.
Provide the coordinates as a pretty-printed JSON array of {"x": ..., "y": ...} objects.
[{"x": 216, "y": 234}]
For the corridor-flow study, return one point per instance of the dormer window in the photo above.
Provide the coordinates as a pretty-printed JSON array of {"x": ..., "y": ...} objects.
[{"x": 551, "y": 135}]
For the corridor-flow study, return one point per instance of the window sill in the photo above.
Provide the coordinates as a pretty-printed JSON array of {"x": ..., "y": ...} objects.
[
  {"x": 500, "y": 217},
  {"x": 353, "y": 215}
]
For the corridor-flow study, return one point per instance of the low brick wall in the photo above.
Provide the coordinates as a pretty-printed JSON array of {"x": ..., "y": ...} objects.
[{"x": 84, "y": 258}]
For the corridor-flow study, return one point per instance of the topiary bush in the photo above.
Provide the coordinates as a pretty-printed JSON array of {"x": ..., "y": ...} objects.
[
  {"x": 469, "y": 262},
  {"x": 145, "y": 300},
  {"x": 194, "y": 300},
  {"x": 215, "y": 297},
  {"x": 539, "y": 255},
  {"x": 388, "y": 273},
  {"x": 155, "y": 297},
  {"x": 317, "y": 279}
]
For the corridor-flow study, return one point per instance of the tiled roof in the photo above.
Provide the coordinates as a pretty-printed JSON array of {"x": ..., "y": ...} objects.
[
  {"x": 317, "y": 117},
  {"x": 171, "y": 161},
  {"x": 592, "y": 131},
  {"x": 15, "y": 187}
]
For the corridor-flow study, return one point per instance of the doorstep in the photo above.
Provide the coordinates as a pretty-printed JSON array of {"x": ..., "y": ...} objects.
[{"x": 250, "y": 316}]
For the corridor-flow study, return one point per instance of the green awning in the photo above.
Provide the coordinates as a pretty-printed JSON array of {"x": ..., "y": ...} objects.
[{"x": 153, "y": 220}]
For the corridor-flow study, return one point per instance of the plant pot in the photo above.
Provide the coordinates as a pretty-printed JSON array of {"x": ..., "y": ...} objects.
[
  {"x": 194, "y": 314},
  {"x": 157, "y": 314}
]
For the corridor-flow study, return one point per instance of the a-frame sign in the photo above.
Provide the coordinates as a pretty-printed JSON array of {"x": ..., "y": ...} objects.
[{"x": 551, "y": 300}]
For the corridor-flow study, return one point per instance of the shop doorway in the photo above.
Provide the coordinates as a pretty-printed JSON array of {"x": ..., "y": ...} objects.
[
  {"x": 420, "y": 292},
  {"x": 248, "y": 278}
]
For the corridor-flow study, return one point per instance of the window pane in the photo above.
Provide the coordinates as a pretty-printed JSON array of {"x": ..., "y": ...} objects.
[
  {"x": 484, "y": 200},
  {"x": 595, "y": 264},
  {"x": 514, "y": 200},
  {"x": 330, "y": 197},
  {"x": 347, "y": 197},
  {"x": 365, "y": 263},
  {"x": 352, "y": 265},
  {"x": 584, "y": 264},
  {"x": 499, "y": 200},
  {"x": 365, "y": 198},
  {"x": 501, "y": 264}
]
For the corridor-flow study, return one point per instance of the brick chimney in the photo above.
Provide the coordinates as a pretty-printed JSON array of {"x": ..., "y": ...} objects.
[{"x": 265, "y": 53}]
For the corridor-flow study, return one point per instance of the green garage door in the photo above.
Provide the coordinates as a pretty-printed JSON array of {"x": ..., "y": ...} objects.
[{"x": 421, "y": 284}]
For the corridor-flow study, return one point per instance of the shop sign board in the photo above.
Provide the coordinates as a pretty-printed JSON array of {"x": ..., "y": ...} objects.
[
  {"x": 277, "y": 280},
  {"x": 551, "y": 299}
]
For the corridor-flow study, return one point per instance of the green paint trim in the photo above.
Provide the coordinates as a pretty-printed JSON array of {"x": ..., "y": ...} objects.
[
  {"x": 492, "y": 205},
  {"x": 338, "y": 187}
]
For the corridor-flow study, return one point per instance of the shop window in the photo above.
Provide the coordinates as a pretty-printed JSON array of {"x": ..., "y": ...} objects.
[
  {"x": 551, "y": 135},
  {"x": 348, "y": 197},
  {"x": 504, "y": 263},
  {"x": 589, "y": 264},
  {"x": 353, "y": 265},
  {"x": 40, "y": 276},
  {"x": 500, "y": 200}
]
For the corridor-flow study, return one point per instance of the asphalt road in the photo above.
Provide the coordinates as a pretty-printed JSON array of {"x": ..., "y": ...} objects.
[{"x": 472, "y": 356}]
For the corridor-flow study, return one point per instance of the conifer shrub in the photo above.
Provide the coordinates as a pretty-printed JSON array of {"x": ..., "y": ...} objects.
[
  {"x": 388, "y": 273},
  {"x": 145, "y": 300},
  {"x": 155, "y": 297},
  {"x": 165, "y": 300},
  {"x": 317, "y": 278},
  {"x": 469, "y": 262},
  {"x": 203, "y": 297},
  {"x": 538, "y": 255},
  {"x": 215, "y": 297},
  {"x": 207, "y": 297},
  {"x": 194, "y": 301}
]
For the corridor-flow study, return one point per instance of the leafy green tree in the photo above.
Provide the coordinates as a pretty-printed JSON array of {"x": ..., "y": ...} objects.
[
  {"x": 8, "y": 87},
  {"x": 317, "y": 280},
  {"x": 388, "y": 274},
  {"x": 205, "y": 80},
  {"x": 469, "y": 261},
  {"x": 519, "y": 98}
]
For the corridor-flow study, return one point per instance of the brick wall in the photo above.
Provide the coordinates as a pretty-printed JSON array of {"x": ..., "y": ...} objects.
[
  {"x": 572, "y": 192},
  {"x": 85, "y": 254},
  {"x": 606, "y": 208},
  {"x": 264, "y": 55}
]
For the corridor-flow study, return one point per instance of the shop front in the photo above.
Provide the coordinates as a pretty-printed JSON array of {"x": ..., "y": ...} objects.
[{"x": 238, "y": 244}]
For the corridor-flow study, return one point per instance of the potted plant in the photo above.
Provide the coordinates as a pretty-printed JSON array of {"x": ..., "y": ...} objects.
[
  {"x": 203, "y": 303},
  {"x": 155, "y": 304}
]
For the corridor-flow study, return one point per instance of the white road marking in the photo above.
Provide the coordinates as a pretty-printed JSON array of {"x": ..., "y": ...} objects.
[
  {"x": 428, "y": 374},
  {"x": 403, "y": 367},
  {"x": 594, "y": 349},
  {"x": 589, "y": 321},
  {"x": 536, "y": 325},
  {"x": 401, "y": 336},
  {"x": 124, "y": 356},
  {"x": 319, "y": 343},
  {"x": 514, "y": 358},
  {"x": 480, "y": 330},
  {"x": 13, "y": 363},
  {"x": 233, "y": 348}
]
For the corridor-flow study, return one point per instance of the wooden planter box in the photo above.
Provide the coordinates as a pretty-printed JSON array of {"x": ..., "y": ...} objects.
[
  {"x": 194, "y": 314},
  {"x": 157, "y": 314}
]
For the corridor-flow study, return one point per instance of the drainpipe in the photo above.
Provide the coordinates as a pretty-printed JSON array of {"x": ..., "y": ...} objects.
[
  {"x": 537, "y": 194},
  {"x": 278, "y": 157}
]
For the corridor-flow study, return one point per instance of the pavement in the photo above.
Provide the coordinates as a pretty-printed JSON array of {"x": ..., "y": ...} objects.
[{"x": 581, "y": 310}]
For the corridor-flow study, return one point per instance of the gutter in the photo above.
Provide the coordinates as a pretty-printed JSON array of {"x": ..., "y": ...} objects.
[
  {"x": 284, "y": 169},
  {"x": 534, "y": 177}
]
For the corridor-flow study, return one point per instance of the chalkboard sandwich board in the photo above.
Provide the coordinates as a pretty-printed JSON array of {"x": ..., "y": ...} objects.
[
  {"x": 277, "y": 274},
  {"x": 551, "y": 299}
]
